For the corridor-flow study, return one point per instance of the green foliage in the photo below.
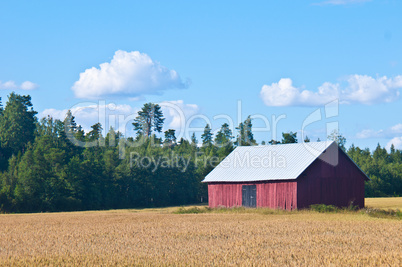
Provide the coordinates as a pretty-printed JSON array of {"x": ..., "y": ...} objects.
[
  {"x": 274, "y": 142},
  {"x": 379, "y": 213},
  {"x": 149, "y": 119},
  {"x": 321, "y": 208},
  {"x": 206, "y": 137},
  {"x": 383, "y": 168},
  {"x": 289, "y": 138},
  {"x": 324, "y": 208},
  {"x": 192, "y": 210},
  {"x": 194, "y": 140},
  {"x": 338, "y": 138},
  {"x": 223, "y": 141},
  {"x": 17, "y": 126},
  {"x": 170, "y": 138},
  {"x": 224, "y": 136},
  {"x": 245, "y": 135},
  {"x": 42, "y": 168},
  {"x": 52, "y": 173}
]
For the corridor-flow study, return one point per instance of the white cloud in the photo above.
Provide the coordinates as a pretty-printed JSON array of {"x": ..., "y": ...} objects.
[
  {"x": 387, "y": 133},
  {"x": 11, "y": 85},
  {"x": 369, "y": 133},
  {"x": 27, "y": 85},
  {"x": 176, "y": 114},
  {"x": 341, "y": 2},
  {"x": 368, "y": 90},
  {"x": 127, "y": 74},
  {"x": 397, "y": 128},
  {"x": 284, "y": 93},
  {"x": 390, "y": 133},
  {"x": 8, "y": 85},
  {"x": 361, "y": 89},
  {"x": 396, "y": 141},
  {"x": 87, "y": 114}
]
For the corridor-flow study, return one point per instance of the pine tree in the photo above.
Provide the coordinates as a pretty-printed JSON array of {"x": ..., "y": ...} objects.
[
  {"x": 245, "y": 135},
  {"x": 224, "y": 136},
  {"x": 338, "y": 138},
  {"x": 69, "y": 123},
  {"x": 170, "y": 138},
  {"x": 194, "y": 140},
  {"x": 289, "y": 138},
  {"x": 95, "y": 133},
  {"x": 274, "y": 142},
  {"x": 149, "y": 119},
  {"x": 206, "y": 137},
  {"x": 17, "y": 124}
]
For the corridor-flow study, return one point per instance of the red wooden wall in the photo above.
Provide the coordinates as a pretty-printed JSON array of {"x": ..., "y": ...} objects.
[
  {"x": 272, "y": 194},
  {"x": 322, "y": 183}
]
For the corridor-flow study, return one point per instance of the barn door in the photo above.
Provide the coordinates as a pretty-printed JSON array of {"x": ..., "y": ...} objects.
[{"x": 249, "y": 196}]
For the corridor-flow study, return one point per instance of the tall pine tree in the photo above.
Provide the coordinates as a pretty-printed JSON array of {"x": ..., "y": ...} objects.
[
  {"x": 17, "y": 124},
  {"x": 245, "y": 135},
  {"x": 206, "y": 137},
  {"x": 150, "y": 119}
]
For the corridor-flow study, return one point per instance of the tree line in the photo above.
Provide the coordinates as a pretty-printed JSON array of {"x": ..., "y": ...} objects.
[{"x": 54, "y": 165}]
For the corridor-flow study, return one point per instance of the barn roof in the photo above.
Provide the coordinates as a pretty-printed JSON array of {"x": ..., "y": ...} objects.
[{"x": 271, "y": 162}]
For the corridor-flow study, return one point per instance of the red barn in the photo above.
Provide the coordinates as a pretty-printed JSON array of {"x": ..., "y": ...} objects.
[{"x": 286, "y": 176}]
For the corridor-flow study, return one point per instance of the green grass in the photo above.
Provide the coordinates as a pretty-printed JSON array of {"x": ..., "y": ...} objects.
[{"x": 317, "y": 208}]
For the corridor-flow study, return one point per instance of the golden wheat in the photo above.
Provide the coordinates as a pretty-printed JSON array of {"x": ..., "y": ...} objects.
[
  {"x": 384, "y": 203},
  {"x": 155, "y": 237}
]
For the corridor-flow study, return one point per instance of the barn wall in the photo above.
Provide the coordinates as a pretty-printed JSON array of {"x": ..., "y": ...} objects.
[
  {"x": 322, "y": 183},
  {"x": 224, "y": 194},
  {"x": 272, "y": 194}
]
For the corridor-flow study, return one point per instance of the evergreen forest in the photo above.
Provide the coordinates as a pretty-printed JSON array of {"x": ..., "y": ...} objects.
[{"x": 48, "y": 164}]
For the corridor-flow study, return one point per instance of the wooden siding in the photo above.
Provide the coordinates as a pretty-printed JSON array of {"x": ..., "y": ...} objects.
[
  {"x": 272, "y": 194},
  {"x": 322, "y": 183}
]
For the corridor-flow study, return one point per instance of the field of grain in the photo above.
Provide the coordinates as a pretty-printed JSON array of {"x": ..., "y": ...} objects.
[
  {"x": 384, "y": 203},
  {"x": 159, "y": 237}
]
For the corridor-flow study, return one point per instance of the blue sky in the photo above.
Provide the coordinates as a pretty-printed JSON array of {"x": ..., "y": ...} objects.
[{"x": 277, "y": 58}]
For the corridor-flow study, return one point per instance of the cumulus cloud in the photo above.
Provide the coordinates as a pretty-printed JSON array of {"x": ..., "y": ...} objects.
[
  {"x": 11, "y": 85},
  {"x": 109, "y": 115},
  {"x": 27, "y": 85},
  {"x": 177, "y": 113},
  {"x": 397, "y": 128},
  {"x": 8, "y": 85},
  {"x": 341, "y": 2},
  {"x": 284, "y": 93},
  {"x": 128, "y": 74},
  {"x": 361, "y": 89},
  {"x": 120, "y": 117},
  {"x": 396, "y": 141}
]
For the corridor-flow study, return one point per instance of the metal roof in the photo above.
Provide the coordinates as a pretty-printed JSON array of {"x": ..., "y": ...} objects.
[{"x": 272, "y": 162}]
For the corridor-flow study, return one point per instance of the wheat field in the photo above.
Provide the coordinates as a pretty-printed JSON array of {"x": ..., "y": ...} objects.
[
  {"x": 384, "y": 203},
  {"x": 159, "y": 237}
]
